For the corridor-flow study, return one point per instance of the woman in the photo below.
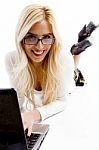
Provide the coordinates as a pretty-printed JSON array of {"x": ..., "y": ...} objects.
[{"x": 39, "y": 73}]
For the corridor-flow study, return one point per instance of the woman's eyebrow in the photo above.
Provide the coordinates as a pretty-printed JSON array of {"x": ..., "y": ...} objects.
[
  {"x": 41, "y": 35},
  {"x": 31, "y": 33}
]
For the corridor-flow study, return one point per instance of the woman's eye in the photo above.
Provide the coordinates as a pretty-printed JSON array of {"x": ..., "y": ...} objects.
[{"x": 47, "y": 37}]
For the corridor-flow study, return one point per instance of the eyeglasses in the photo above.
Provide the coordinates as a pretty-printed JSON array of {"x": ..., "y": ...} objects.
[{"x": 31, "y": 39}]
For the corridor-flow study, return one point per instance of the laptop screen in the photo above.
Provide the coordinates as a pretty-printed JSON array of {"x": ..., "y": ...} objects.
[{"x": 11, "y": 127}]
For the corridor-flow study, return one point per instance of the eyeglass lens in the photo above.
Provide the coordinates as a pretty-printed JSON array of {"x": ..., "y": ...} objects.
[{"x": 32, "y": 40}]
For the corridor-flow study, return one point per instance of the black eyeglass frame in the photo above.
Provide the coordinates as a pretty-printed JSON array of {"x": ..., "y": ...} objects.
[{"x": 40, "y": 39}]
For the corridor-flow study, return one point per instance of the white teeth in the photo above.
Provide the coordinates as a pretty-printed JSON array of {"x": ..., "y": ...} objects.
[{"x": 38, "y": 52}]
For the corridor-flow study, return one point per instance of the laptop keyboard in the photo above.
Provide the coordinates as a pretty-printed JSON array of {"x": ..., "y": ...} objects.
[{"x": 31, "y": 140}]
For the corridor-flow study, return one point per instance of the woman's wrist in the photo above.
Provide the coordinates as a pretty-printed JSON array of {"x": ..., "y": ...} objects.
[{"x": 36, "y": 115}]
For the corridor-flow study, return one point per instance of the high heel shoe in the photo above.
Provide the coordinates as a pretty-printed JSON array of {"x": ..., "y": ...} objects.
[
  {"x": 79, "y": 78},
  {"x": 82, "y": 35},
  {"x": 78, "y": 48},
  {"x": 90, "y": 28},
  {"x": 86, "y": 31}
]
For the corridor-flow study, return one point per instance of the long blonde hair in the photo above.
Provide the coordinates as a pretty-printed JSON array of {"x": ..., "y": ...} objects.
[{"x": 22, "y": 73}]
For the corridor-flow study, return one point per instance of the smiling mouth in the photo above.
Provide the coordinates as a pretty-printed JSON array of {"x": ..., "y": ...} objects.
[{"x": 38, "y": 53}]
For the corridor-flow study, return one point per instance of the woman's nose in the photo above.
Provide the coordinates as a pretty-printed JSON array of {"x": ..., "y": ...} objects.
[{"x": 39, "y": 45}]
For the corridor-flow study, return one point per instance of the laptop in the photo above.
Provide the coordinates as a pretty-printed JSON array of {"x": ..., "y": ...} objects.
[{"x": 12, "y": 134}]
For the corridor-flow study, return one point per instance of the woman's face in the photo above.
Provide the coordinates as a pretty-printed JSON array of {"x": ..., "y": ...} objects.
[{"x": 38, "y": 41}]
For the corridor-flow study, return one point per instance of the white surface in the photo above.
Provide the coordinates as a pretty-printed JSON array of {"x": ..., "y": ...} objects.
[{"x": 77, "y": 128}]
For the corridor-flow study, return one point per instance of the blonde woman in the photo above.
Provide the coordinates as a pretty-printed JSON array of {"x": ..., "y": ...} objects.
[{"x": 37, "y": 70}]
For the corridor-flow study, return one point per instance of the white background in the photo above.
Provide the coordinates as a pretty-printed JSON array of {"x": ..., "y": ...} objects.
[{"x": 83, "y": 108}]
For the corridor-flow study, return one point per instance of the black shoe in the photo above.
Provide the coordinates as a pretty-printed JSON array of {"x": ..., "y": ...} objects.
[
  {"x": 82, "y": 35},
  {"x": 86, "y": 31},
  {"x": 78, "y": 78},
  {"x": 78, "y": 48},
  {"x": 90, "y": 28}
]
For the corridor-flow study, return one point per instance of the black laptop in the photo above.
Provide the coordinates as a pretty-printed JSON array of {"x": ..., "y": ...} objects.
[{"x": 12, "y": 135}]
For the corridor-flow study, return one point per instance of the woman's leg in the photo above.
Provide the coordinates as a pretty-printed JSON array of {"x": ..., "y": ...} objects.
[{"x": 76, "y": 60}]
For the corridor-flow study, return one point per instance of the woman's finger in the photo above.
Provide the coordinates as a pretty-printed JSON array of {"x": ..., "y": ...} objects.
[{"x": 29, "y": 130}]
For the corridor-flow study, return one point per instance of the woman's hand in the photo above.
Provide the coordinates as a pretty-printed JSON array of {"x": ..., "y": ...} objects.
[{"x": 28, "y": 118}]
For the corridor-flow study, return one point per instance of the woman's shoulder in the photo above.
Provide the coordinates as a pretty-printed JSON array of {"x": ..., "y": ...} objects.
[
  {"x": 10, "y": 56},
  {"x": 10, "y": 59},
  {"x": 66, "y": 59},
  {"x": 67, "y": 63}
]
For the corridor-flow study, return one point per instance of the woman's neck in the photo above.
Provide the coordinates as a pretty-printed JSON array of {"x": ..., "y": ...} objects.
[{"x": 37, "y": 65}]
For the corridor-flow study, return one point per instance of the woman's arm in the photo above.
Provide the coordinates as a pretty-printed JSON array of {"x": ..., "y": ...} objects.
[{"x": 43, "y": 112}]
